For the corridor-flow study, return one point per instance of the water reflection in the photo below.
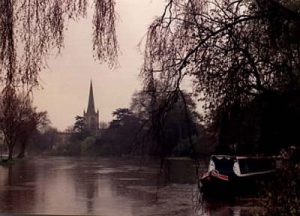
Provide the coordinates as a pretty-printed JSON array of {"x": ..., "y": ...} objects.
[
  {"x": 97, "y": 186},
  {"x": 16, "y": 188}
]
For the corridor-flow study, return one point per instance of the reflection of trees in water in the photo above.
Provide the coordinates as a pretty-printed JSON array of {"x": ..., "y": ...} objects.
[
  {"x": 94, "y": 186},
  {"x": 100, "y": 183},
  {"x": 86, "y": 184},
  {"x": 240, "y": 206},
  {"x": 138, "y": 180},
  {"x": 91, "y": 191},
  {"x": 16, "y": 194}
]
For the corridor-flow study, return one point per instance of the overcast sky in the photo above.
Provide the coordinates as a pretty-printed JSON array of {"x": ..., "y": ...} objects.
[{"x": 65, "y": 84}]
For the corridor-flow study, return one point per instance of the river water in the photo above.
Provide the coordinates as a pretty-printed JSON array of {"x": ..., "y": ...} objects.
[{"x": 100, "y": 186}]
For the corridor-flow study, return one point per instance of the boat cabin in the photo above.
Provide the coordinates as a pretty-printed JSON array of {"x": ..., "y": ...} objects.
[
  {"x": 226, "y": 172},
  {"x": 241, "y": 166}
]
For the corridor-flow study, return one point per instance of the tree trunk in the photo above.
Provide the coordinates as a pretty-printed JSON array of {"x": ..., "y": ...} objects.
[
  {"x": 10, "y": 153},
  {"x": 21, "y": 154},
  {"x": 22, "y": 151}
]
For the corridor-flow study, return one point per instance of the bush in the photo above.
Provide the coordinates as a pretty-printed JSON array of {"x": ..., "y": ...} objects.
[
  {"x": 282, "y": 195},
  {"x": 87, "y": 146}
]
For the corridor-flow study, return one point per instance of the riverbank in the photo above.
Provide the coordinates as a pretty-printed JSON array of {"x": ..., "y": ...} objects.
[{"x": 6, "y": 162}]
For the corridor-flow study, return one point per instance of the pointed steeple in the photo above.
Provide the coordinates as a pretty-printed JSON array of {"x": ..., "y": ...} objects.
[{"x": 91, "y": 104}]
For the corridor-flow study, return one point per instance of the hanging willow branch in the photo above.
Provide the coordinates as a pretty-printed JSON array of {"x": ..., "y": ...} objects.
[
  {"x": 104, "y": 36},
  {"x": 232, "y": 50},
  {"x": 29, "y": 29}
]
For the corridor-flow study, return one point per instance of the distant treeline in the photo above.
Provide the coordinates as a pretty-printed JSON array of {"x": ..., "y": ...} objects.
[{"x": 130, "y": 133}]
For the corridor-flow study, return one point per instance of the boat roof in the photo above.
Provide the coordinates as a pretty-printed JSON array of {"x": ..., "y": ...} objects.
[{"x": 228, "y": 157}]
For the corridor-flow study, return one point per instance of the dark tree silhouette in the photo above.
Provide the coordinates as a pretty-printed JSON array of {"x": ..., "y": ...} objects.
[
  {"x": 10, "y": 119},
  {"x": 30, "y": 122},
  {"x": 233, "y": 51},
  {"x": 79, "y": 130},
  {"x": 19, "y": 120},
  {"x": 79, "y": 125},
  {"x": 178, "y": 122}
]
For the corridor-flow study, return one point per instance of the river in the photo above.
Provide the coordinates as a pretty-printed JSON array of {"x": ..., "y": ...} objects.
[{"x": 100, "y": 186}]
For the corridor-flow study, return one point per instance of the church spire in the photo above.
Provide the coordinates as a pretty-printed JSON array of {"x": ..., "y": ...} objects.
[{"x": 91, "y": 105}]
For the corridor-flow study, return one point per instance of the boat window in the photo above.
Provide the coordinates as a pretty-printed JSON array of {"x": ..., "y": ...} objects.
[
  {"x": 255, "y": 165},
  {"x": 224, "y": 165}
]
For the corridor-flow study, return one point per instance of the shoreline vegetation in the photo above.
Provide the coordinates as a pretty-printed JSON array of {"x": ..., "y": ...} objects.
[{"x": 10, "y": 162}]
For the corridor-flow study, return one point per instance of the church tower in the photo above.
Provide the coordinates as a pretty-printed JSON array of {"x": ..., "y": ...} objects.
[{"x": 91, "y": 116}]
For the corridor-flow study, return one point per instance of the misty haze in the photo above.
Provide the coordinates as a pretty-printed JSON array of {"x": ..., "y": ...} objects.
[{"x": 148, "y": 107}]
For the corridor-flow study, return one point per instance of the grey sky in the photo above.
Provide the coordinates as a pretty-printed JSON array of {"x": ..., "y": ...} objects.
[{"x": 66, "y": 82}]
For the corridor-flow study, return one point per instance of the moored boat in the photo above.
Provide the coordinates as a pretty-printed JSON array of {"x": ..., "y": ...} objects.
[{"x": 232, "y": 175}]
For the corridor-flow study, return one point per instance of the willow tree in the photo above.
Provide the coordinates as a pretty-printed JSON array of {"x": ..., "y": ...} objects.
[
  {"x": 29, "y": 29},
  {"x": 232, "y": 50}
]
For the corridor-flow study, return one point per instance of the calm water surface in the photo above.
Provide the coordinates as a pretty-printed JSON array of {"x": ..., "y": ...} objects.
[{"x": 99, "y": 186}]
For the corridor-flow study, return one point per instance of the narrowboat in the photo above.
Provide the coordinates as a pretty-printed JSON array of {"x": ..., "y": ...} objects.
[{"x": 233, "y": 175}]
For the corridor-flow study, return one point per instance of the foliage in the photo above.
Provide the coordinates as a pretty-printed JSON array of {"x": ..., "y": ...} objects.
[
  {"x": 265, "y": 125},
  {"x": 79, "y": 125},
  {"x": 233, "y": 51},
  {"x": 283, "y": 194},
  {"x": 86, "y": 147},
  {"x": 29, "y": 125},
  {"x": 167, "y": 122},
  {"x": 119, "y": 137},
  {"x": 121, "y": 116},
  {"x": 19, "y": 120},
  {"x": 43, "y": 140},
  {"x": 67, "y": 149},
  {"x": 177, "y": 123},
  {"x": 29, "y": 30},
  {"x": 79, "y": 130},
  {"x": 128, "y": 132}
]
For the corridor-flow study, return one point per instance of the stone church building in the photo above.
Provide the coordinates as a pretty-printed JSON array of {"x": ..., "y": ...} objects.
[{"x": 91, "y": 116}]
